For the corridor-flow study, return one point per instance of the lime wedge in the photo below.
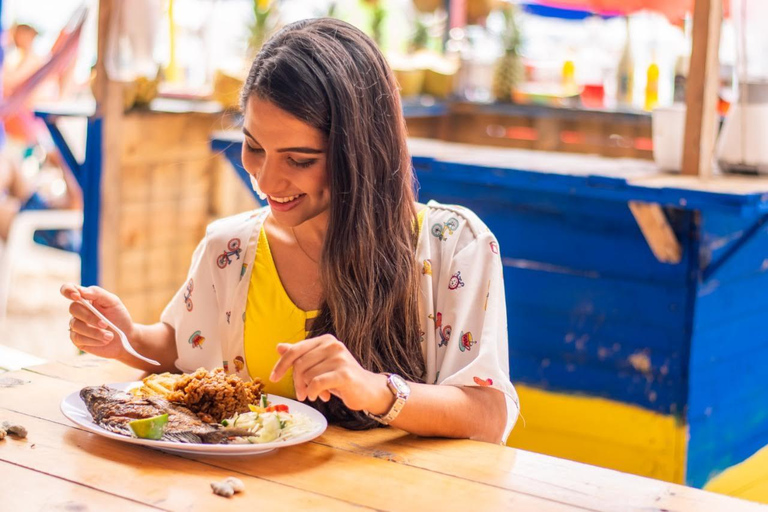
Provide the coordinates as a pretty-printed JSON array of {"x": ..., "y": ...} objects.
[{"x": 149, "y": 428}]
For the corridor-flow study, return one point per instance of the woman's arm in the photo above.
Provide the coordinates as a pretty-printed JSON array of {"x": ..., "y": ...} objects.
[
  {"x": 445, "y": 411},
  {"x": 155, "y": 341},
  {"x": 323, "y": 366}
]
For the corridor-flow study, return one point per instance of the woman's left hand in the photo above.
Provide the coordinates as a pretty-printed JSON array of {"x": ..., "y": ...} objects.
[{"x": 323, "y": 367}]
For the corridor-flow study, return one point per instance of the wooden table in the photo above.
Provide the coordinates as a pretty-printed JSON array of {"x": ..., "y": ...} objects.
[{"x": 60, "y": 466}]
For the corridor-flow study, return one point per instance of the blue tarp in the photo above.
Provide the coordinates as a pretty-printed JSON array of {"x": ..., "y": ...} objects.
[{"x": 556, "y": 12}]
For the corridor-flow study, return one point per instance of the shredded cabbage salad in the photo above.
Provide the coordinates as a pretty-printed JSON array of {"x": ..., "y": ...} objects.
[{"x": 269, "y": 423}]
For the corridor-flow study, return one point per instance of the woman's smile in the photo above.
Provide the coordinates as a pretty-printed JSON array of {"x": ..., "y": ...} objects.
[{"x": 284, "y": 204}]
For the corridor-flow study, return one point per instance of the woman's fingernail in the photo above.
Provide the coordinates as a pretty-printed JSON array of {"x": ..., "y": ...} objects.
[
  {"x": 272, "y": 377},
  {"x": 108, "y": 336},
  {"x": 103, "y": 324}
]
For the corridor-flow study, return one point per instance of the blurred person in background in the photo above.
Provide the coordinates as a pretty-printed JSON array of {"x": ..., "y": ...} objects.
[{"x": 32, "y": 175}]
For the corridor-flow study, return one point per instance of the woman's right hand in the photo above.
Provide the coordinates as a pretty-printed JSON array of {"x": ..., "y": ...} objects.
[{"x": 88, "y": 332}]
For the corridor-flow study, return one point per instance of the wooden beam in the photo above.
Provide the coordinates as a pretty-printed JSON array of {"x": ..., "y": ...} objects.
[
  {"x": 657, "y": 231},
  {"x": 99, "y": 87},
  {"x": 110, "y": 108},
  {"x": 702, "y": 89}
]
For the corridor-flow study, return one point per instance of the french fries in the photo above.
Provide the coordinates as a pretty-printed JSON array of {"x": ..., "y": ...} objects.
[{"x": 157, "y": 384}]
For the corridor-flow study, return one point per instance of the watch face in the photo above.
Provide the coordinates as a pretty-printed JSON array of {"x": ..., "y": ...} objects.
[{"x": 400, "y": 385}]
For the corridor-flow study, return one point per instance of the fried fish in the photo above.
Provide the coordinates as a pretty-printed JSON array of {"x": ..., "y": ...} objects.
[{"x": 113, "y": 410}]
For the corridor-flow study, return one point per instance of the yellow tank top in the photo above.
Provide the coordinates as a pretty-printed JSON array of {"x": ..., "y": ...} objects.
[{"x": 271, "y": 317}]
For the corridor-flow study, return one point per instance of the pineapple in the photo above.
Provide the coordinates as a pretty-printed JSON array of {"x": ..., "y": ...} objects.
[{"x": 510, "y": 70}]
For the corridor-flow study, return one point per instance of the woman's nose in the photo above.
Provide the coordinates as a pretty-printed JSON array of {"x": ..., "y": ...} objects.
[{"x": 268, "y": 175}]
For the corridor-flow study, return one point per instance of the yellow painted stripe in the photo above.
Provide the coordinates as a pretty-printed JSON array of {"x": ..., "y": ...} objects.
[
  {"x": 601, "y": 432},
  {"x": 748, "y": 480}
]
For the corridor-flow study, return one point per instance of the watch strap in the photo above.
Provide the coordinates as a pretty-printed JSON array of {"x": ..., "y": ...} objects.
[{"x": 394, "y": 411}]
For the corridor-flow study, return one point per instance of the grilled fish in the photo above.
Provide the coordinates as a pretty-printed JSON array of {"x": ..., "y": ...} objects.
[{"x": 113, "y": 410}]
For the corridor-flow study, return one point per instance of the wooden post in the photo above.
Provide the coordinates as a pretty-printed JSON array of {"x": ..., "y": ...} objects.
[
  {"x": 100, "y": 78},
  {"x": 701, "y": 89},
  {"x": 109, "y": 107}
]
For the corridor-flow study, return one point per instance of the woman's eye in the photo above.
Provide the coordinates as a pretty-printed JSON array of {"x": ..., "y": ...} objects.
[
  {"x": 303, "y": 164},
  {"x": 252, "y": 149}
]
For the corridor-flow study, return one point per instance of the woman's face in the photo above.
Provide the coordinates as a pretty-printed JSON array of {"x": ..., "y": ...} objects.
[{"x": 288, "y": 159}]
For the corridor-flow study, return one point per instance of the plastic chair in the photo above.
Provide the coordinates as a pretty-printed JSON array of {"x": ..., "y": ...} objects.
[{"x": 20, "y": 242}]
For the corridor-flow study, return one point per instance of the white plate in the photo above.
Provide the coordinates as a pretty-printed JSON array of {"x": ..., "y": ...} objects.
[{"x": 74, "y": 409}]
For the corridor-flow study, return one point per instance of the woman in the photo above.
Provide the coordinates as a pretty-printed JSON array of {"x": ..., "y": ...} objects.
[{"x": 344, "y": 279}]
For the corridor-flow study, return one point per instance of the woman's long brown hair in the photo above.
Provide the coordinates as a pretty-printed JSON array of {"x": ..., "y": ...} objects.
[{"x": 330, "y": 75}]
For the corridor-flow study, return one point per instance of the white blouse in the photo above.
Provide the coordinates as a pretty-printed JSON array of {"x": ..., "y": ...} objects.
[{"x": 462, "y": 308}]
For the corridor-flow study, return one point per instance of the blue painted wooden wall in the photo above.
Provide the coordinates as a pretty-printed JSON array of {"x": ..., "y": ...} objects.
[{"x": 728, "y": 399}]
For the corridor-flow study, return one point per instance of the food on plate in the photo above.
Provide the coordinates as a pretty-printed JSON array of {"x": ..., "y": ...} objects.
[
  {"x": 149, "y": 428},
  {"x": 157, "y": 384},
  {"x": 215, "y": 395},
  {"x": 267, "y": 423},
  {"x": 202, "y": 407},
  {"x": 113, "y": 410}
]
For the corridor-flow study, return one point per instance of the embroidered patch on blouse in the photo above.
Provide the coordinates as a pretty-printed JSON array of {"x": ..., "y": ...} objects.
[
  {"x": 444, "y": 230},
  {"x": 188, "y": 295},
  {"x": 197, "y": 340},
  {"x": 233, "y": 249},
  {"x": 466, "y": 341},
  {"x": 455, "y": 281}
]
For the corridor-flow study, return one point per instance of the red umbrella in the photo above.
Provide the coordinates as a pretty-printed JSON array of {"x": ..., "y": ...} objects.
[{"x": 674, "y": 10}]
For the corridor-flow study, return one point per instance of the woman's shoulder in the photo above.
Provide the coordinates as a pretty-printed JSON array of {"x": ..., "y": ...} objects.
[
  {"x": 235, "y": 226},
  {"x": 445, "y": 221}
]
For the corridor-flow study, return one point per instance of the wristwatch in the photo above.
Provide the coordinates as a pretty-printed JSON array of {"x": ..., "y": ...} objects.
[{"x": 400, "y": 388}]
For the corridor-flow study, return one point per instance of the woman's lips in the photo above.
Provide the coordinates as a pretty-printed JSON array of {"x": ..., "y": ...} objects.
[{"x": 284, "y": 207}]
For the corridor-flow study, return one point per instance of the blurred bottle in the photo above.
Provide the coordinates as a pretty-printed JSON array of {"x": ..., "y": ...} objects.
[
  {"x": 652, "y": 86},
  {"x": 625, "y": 79},
  {"x": 727, "y": 93},
  {"x": 569, "y": 76},
  {"x": 681, "y": 77}
]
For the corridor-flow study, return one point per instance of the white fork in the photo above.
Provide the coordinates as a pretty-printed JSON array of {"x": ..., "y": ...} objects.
[{"x": 120, "y": 334}]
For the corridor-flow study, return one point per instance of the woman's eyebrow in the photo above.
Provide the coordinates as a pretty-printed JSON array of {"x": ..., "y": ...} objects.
[{"x": 298, "y": 149}]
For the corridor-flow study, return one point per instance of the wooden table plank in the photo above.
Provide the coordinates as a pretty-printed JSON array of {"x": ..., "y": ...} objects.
[
  {"x": 579, "y": 484},
  {"x": 32, "y": 490},
  {"x": 12, "y": 359},
  {"x": 88, "y": 369},
  {"x": 479, "y": 469}
]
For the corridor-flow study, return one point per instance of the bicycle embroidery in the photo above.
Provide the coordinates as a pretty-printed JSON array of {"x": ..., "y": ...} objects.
[
  {"x": 449, "y": 226},
  {"x": 233, "y": 249}
]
